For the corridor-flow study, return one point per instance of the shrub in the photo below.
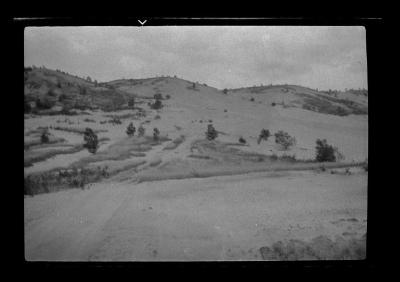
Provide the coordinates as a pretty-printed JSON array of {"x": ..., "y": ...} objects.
[
  {"x": 168, "y": 96},
  {"x": 273, "y": 104},
  {"x": 91, "y": 141},
  {"x": 211, "y": 133},
  {"x": 157, "y": 117},
  {"x": 44, "y": 138},
  {"x": 157, "y": 105},
  {"x": 225, "y": 91},
  {"x": 242, "y": 140},
  {"x": 264, "y": 134},
  {"x": 130, "y": 130},
  {"x": 324, "y": 151},
  {"x": 284, "y": 139},
  {"x": 252, "y": 99},
  {"x": 156, "y": 134}
]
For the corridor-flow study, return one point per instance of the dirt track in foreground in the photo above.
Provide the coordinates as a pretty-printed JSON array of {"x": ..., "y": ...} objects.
[{"x": 217, "y": 218}]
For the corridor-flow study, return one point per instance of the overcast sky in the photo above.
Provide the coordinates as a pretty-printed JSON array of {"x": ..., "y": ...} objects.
[{"x": 223, "y": 57}]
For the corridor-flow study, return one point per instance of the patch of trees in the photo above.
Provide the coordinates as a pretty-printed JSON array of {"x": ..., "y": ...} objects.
[{"x": 326, "y": 152}]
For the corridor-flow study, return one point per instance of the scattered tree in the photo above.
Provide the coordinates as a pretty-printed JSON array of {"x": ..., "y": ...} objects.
[
  {"x": 91, "y": 140},
  {"x": 130, "y": 129},
  {"x": 252, "y": 99},
  {"x": 264, "y": 135},
  {"x": 211, "y": 133},
  {"x": 225, "y": 91},
  {"x": 44, "y": 138},
  {"x": 242, "y": 140},
  {"x": 157, "y": 105},
  {"x": 324, "y": 151},
  {"x": 284, "y": 139}
]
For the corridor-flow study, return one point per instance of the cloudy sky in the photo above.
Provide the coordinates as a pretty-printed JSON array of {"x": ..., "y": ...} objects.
[{"x": 223, "y": 57}]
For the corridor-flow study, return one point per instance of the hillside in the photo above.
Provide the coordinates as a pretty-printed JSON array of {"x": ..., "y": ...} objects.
[
  {"x": 335, "y": 103},
  {"x": 45, "y": 89},
  {"x": 181, "y": 196}
]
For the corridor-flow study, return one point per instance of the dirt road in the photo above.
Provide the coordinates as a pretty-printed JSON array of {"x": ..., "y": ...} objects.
[{"x": 217, "y": 218}]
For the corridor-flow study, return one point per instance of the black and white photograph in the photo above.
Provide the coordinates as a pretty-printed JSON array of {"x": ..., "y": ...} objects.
[{"x": 185, "y": 143}]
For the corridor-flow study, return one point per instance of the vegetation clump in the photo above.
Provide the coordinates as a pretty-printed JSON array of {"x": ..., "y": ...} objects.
[
  {"x": 242, "y": 140},
  {"x": 211, "y": 133},
  {"x": 91, "y": 140},
  {"x": 156, "y": 105},
  {"x": 264, "y": 135},
  {"x": 130, "y": 130},
  {"x": 324, "y": 151},
  {"x": 44, "y": 138},
  {"x": 156, "y": 134},
  {"x": 284, "y": 139}
]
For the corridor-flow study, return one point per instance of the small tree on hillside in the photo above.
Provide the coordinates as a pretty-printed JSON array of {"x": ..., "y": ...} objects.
[
  {"x": 44, "y": 138},
  {"x": 156, "y": 134},
  {"x": 211, "y": 133},
  {"x": 326, "y": 152},
  {"x": 130, "y": 130},
  {"x": 264, "y": 135},
  {"x": 91, "y": 141},
  {"x": 157, "y": 105},
  {"x": 284, "y": 139}
]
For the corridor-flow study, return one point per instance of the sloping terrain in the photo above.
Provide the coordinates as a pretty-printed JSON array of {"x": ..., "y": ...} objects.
[
  {"x": 118, "y": 213},
  {"x": 47, "y": 88}
]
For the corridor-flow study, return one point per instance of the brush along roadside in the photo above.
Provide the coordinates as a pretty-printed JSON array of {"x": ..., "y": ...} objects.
[{"x": 211, "y": 170}]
